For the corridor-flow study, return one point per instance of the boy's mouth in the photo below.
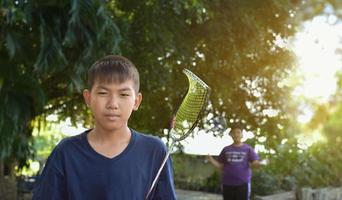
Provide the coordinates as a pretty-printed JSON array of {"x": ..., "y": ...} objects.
[{"x": 112, "y": 116}]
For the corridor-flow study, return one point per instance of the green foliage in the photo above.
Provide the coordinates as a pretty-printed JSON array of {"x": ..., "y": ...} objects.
[
  {"x": 227, "y": 43},
  {"x": 323, "y": 160},
  {"x": 333, "y": 126},
  {"x": 45, "y": 50},
  {"x": 192, "y": 172},
  {"x": 46, "y": 139},
  {"x": 17, "y": 107},
  {"x": 213, "y": 182},
  {"x": 234, "y": 46},
  {"x": 320, "y": 167},
  {"x": 264, "y": 183}
]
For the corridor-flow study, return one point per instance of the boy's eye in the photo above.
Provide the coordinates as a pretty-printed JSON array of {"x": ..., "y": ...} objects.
[
  {"x": 125, "y": 94},
  {"x": 102, "y": 93}
]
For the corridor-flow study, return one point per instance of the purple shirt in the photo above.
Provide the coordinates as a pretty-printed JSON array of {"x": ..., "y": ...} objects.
[{"x": 236, "y": 170}]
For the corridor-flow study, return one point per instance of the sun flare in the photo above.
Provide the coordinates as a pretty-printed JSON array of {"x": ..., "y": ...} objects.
[{"x": 318, "y": 62}]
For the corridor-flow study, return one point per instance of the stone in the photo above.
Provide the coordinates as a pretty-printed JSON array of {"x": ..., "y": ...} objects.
[
  {"x": 8, "y": 188},
  {"x": 279, "y": 196}
]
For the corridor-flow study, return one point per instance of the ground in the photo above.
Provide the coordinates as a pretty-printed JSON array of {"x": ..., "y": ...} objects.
[{"x": 195, "y": 195}]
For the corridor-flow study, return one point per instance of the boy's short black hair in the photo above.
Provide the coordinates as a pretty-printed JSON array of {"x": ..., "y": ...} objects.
[
  {"x": 235, "y": 126},
  {"x": 113, "y": 69}
]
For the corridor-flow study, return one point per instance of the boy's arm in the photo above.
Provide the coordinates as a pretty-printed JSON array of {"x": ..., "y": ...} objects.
[
  {"x": 214, "y": 162},
  {"x": 165, "y": 187},
  {"x": 51, "y": 183},
  {"x": 255, "y": 164},
  {"x": 254, "y": 159}
]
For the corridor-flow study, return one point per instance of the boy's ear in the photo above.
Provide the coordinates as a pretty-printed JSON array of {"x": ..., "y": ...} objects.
[
  {"x": 230, "y": 133},
  {"x": 137, "y": 102},
  {"x": 86, "y": 96}
]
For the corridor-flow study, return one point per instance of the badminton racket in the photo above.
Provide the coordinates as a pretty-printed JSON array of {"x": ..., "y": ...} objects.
[{"x": 187, "y": 115}]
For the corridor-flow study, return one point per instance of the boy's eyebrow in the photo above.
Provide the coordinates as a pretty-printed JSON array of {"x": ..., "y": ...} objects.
[
  {"x": 102, "y": 87},
  {"x": 121, "y": 90},
  {"x": 125, "y": 89}
]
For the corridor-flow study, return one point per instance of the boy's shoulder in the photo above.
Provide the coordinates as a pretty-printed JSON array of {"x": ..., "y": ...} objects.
[
  {"x": 143, "y": 138},
  {"x": 139, "y": 138},
  {"x": 71, "y": 141},
  {"x": 244, "y": 146},
  {"x": 247, "y": 146}
]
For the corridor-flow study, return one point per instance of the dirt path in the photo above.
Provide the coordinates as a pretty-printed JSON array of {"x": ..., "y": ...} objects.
[{"x": 195, "y": 195}]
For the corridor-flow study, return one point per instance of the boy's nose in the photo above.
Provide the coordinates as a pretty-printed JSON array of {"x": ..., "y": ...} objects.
[{"x": 112, "y": 103}]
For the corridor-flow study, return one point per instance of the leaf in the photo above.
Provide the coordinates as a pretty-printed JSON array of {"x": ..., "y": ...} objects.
[
  {"x": 1, "y": 83},
  {"x": 77, "y": 82},
  {"x": 10, "y": 44}
]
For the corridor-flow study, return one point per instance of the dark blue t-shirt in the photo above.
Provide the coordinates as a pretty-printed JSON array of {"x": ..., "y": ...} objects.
[{"x": 75, "y": 171}]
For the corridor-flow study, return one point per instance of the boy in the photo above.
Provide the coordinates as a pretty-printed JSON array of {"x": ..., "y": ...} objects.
[
  {"x": 110, "y": 161},
  {"x": 235, "y": 161}
]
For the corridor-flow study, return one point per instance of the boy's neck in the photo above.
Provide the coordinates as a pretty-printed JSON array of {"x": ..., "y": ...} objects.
[
  {"x": 238, "y": 144},
  {"x": 109, "y": 143},
  {"x": 110, "y": 137}
]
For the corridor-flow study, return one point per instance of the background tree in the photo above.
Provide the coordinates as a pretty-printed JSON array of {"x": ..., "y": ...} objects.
[
  {"x": 46, "y": 48},
  {"x": 237, "y": 47},
  {"x": 227, "y": 43},
  {"x": 316, "y": 165}
]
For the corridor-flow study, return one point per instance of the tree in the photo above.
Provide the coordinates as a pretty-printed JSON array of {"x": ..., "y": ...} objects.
[
  {"x": 46, "y": 48},
  {"x": 237, "y": 47}
]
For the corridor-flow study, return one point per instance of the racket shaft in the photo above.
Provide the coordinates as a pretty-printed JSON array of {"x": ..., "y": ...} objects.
[{"x": 159, "y": 171}]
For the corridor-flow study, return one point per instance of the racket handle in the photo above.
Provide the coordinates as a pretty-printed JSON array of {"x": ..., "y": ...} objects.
[{"x": 158, "y": 174}]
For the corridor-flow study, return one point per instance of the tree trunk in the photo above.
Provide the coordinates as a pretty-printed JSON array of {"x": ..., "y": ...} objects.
[
  {"x": 8, "y": 186},
  {"x": 1, "y": 169}
]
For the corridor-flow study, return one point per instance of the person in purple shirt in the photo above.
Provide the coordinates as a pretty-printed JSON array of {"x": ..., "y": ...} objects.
[{"x": 235, "y": 162}]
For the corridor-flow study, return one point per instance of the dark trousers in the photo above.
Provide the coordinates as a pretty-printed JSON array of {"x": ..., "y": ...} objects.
[{"x": 240, "y": 192}]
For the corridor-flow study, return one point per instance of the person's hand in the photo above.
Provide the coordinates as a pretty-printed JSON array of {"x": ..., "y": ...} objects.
[
  {"x": 214, "y": 162},
  {"x": 173, "y": 121},
  {"x": 258, "y": 163},
  {"x": 207, "y": 158},
  {"x": 264, "y": 162}
]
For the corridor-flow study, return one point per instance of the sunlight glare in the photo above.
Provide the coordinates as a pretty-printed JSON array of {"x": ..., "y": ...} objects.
[
  {"x": 318, "y": 63},
  {"x": 315, "y": 48},
  {"x": 204, "y": 143},
  {"x": 305, "y": 141}
]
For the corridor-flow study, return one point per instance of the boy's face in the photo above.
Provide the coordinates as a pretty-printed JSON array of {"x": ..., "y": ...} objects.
[
  {"x": 236, "y": 134},
  {"x": 112, "y": 103}
]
